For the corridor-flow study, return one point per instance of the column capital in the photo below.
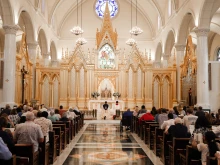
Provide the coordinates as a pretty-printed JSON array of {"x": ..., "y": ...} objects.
[
  {"x": 166, "y": 56},
  {"x": 180, "y": 47},
  {"x": 46, "y": 55},
  {"x": 202, "y": 31},
  {"x": 11, "y": 29},
  {"x": 32, "y": 45}
]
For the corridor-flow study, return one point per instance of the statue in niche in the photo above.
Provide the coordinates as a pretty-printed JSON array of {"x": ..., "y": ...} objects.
[{"x": 106, "y": 93}]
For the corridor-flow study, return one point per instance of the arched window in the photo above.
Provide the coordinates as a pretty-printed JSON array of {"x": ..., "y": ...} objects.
[
  {"x": 218, "y": 54},
  {"x": 100, "y": 7},
  {"x": 106, "y": 58}
]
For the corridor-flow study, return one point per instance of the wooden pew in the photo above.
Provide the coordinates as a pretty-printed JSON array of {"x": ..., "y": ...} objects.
[
  {"x": 25, "y": 153},
  {"x": 178, "y": 146},
  {"x": 211, "y": 160},
  {"x": 137, "y": 126},
  {"x": 151, "y": 135},
  {"x": 59, "y": 137},
  {"x": 147, "y": 130},
  {"x": 44, "y": 152},
  {"x": 164, "y": 152},
  {"x": 157, "y": 136},
  {"x": 141, "y": 129},
  {"x": 53, "y": 140},
  {"x": 185, "y": 156},
  {"x": 134, "y": 124},
  {"x": 64, "y": 134},
  {"x": 68, "y": 129}
]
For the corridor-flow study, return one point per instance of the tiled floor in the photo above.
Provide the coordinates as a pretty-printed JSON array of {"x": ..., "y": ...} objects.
[{"x": 100, "y": 142}]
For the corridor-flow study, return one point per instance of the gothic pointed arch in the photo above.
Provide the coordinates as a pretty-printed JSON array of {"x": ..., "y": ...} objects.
[{"x": 26, "y": 25}]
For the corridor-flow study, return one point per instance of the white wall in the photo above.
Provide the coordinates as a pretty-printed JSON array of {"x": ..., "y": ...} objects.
[{"x": 214, "y": 94}]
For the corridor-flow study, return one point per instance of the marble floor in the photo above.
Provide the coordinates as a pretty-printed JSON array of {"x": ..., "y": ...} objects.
[{"x": 101, "y": 142}]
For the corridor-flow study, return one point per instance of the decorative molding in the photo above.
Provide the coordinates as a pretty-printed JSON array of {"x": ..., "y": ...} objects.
[
  {"x": 11, "y": 29},
  {"x": 202, "y": 32}
]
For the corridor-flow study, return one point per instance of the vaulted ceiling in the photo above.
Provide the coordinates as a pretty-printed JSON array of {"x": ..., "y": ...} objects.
[{"x": 149, "y": 10}]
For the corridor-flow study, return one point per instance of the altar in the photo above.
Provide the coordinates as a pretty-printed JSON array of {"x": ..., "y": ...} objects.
[{"x": 97, "y": 104}]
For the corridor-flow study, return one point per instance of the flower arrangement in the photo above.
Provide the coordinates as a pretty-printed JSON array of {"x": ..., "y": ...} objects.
[
  {"x": 95, "y": 94},
  {"x": 117, "y": 94}
]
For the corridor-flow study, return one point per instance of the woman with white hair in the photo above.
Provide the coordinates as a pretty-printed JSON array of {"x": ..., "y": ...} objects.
[
  {"x": 71, "y": 114},
  {"x": 52, "y": 117}
]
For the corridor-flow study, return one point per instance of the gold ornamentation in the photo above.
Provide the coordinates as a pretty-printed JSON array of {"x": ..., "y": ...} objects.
[
  {"x": 189, "y": 59},
  {"x": 106, "y": 33}
]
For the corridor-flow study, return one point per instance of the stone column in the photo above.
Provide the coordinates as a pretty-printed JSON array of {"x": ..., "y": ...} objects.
[
  {"x": 46, "y": 59},
  {"x": 9, "y": 65},
  {"x": 54, "y": 63},
  {"x": 32, "y": 52},
  {"x": 179, "y": 58},
  {"x": 202, "y": 68}
]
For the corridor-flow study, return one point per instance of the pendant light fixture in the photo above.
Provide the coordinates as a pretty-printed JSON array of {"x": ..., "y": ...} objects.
[
  {"x": 136, "y": 30},
  {"x": 131, "y": 41},
  {"x": 76, "y": 29},
  {"x": 81, "y": 40}
]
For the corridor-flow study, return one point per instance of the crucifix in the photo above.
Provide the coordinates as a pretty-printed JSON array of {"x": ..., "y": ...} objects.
[{"x": 23, "y": 73}]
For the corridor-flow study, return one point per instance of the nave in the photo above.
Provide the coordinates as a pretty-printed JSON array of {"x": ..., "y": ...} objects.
[{"x": 100, "y": 142}]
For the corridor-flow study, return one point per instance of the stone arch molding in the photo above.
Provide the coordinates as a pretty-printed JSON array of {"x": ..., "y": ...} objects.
[
  {"x": 208, "y": 10},
  {"x": 169, "y": 43},
  {"x": 29, "y": 26},
  {"x": 7, "y": 12},
  {"x": 42, "y": 40},
  {"x": 184, "y": 27}
]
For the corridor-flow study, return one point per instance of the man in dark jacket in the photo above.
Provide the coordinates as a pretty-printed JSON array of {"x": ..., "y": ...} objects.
[
  {"x": 178, "y": 130},
  {"x": 105, "y": 107}
]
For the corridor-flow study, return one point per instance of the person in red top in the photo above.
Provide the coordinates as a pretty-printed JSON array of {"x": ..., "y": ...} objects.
[{"x": 146, "y": 117}]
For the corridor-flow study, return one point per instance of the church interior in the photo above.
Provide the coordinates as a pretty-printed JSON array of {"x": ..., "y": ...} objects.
[{"x": 75, "y": 56}]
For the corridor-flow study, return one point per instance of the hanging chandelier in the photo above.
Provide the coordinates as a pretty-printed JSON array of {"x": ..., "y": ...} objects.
[
  {"x": 81, "y": 41},
  {"x": 77, "y": 29},
  {"x": 136, "y": 30},
  {"x": 131, "y": 42}
]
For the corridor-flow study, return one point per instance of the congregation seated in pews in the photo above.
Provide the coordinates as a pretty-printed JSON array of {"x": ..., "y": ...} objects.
[
  {"x": 177, "y": 136},
  {"x": 30, "y": 136}
]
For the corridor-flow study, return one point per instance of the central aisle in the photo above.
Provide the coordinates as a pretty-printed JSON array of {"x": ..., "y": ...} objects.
[{"x": 100, "y": 142}]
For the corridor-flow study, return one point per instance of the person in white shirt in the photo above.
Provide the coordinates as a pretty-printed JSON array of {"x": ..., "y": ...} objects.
[
  {"x": 168, "y": 123},
  {"x": 70, "y": 114},
  {"x": 189, "y": 119},
  {"x": 209, "y": 148}
]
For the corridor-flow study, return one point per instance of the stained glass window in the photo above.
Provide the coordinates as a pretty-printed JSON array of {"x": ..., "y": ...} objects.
[
  {"x": 106, "y": 58},
  {"x": 100, "y": 7},
  {"x": 218, "y": 55}
]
